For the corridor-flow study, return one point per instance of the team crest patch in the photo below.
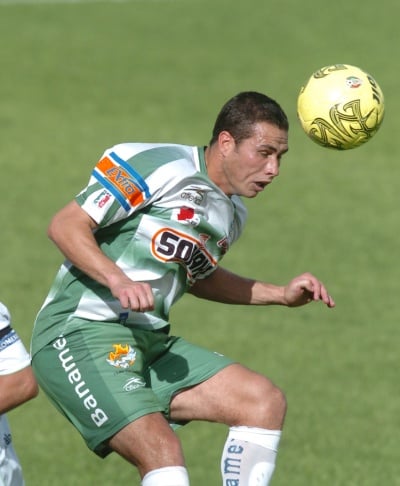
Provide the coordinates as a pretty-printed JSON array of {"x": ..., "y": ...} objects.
[{"x": 123, "y": 356}]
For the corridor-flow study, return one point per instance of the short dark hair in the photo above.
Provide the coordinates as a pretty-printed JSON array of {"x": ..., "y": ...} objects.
[{"x": 239, "y": 115}]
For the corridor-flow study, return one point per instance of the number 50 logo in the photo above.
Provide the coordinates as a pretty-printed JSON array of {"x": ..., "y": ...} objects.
[{"x": 169, "y": 245}]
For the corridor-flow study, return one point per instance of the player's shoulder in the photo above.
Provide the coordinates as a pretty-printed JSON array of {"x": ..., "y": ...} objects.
[
  {"x": 167, "y": 160},
  {"x": 156, "y": 153}
]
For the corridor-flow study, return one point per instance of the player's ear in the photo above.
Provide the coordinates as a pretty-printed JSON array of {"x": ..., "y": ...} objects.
[{"x": 226, "y": 142}]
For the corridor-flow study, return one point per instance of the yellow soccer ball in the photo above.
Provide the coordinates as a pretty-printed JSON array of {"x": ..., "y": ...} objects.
[{"x": 340, "y": 107}]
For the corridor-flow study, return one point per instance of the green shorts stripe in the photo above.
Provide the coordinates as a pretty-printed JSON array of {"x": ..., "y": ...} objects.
[{"x": 104, "y": 375}]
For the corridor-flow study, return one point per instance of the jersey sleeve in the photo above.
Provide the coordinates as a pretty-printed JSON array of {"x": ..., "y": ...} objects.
[
  {"x": 129, "y": 177},
  {"x": 13, "y": 355},
  {"x": 115, "y": 190}
]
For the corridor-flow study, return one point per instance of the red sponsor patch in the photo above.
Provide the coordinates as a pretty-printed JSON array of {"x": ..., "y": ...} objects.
[{"x": 185, "y": 213}]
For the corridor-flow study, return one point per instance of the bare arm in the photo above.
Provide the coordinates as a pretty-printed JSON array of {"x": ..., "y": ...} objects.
[
  {"x": 17, "y": 388},
  {"x": 71, "y": 229},
  {"x": 227, "y": 287}
]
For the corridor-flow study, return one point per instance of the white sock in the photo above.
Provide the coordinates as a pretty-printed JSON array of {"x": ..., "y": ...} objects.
[
  {"x": 249, "y": 456},
  {"x": 167, "y": 476}
]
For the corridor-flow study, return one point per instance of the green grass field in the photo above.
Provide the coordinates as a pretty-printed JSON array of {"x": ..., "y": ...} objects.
[{"x": 79, "y": 76}]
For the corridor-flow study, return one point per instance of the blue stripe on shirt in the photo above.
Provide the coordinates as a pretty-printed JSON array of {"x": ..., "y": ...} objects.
[
  {"x": 114, "y": 191},
  {"x": 131, "y": 171}
]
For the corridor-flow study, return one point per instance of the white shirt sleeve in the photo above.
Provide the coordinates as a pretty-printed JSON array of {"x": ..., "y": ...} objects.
[{"x": 13, "y": 354}]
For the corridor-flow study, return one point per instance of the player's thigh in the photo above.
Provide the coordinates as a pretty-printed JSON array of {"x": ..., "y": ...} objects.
[
  {"x": 182, "y": 367},
  {"x": 235, "y": 395}
]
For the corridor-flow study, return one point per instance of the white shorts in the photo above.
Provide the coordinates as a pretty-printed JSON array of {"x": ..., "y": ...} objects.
[{"x": 10, "y": 468}]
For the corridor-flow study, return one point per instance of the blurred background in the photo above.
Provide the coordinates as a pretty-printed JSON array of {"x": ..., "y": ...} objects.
[{"x": 79, "y": 76}]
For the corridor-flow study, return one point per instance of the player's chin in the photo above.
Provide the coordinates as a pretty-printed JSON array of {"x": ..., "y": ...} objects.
[{"x": 248, "y": 193}]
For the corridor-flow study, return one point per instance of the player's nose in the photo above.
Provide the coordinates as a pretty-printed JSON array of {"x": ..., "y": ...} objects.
[{"x": 272, "y": 166}]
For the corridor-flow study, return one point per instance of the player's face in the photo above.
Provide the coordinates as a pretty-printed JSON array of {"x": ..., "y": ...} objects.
[{"x": 248, "y": 167}]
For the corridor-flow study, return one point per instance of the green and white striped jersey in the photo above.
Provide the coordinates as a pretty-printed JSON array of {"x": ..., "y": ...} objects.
[{"x": 160, "y": 219}]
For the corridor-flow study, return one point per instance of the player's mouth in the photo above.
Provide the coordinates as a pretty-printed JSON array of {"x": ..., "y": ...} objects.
[{"x": 261, "y": 185}]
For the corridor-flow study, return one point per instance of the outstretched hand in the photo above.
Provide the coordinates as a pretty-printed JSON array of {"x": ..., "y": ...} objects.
[{"x": 304, "y": 289}]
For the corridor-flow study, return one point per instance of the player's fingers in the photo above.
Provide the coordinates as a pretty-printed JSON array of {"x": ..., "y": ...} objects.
[
  {"x": 327, "y": 298},
  {"x": 124, "y": 300},
  {"x": 143, "y": 298},
  {"x": 317, "y": 289},
  {"x": 146, "y": 302},
  {"x": 321, "y": 293},
  {"x": 138, "y": 297}
]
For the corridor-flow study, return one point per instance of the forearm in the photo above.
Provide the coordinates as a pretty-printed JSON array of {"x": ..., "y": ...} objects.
[
  {"x": 16, "y": 389},
  {"x": 227, "y": 287}
]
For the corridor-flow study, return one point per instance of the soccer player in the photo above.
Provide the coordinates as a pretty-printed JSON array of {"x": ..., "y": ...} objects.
[
  {"x": 153, "y": 223},
  {"x": 17, "y": 385}
]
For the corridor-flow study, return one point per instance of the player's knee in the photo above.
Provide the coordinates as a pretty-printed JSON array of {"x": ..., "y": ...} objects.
[
  {"x": 277, "y": 400},
  {"x": 270, "y": 403}
]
